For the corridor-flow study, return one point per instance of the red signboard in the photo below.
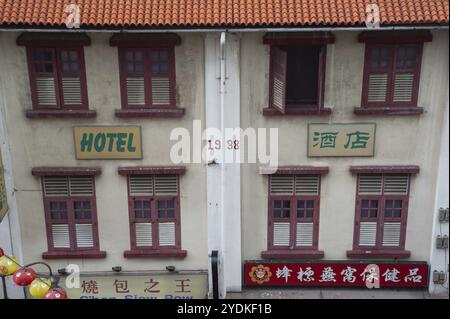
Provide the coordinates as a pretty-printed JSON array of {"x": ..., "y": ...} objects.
[{"x": 382, "y": 275}]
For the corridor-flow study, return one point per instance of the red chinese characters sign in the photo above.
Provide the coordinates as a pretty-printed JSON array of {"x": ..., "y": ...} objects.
[{"x": 412, "y": 275}]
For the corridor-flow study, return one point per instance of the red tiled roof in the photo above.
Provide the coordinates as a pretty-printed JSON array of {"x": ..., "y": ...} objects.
[{"x": 222, "y": 13}]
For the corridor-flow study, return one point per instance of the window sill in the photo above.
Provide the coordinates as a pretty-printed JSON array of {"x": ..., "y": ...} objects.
[
  {"x": 359, "y": 253},
  {"x": 134, "y": 113},
  {"x": 73, "y": 254},
  {"x": 292, "y": 254},
  {"x": 33, "y": 114},
  {"x": 305, "y": 112},
  {"x": 388, "y": 110},
  {"x": 155, "y": 253}
]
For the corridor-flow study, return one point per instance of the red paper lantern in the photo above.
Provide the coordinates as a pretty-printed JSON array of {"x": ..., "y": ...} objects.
[
  {"x": 56, "y": 293},
  {"x": 24, "y": 276},
  {"x": 2, "y": 253}
]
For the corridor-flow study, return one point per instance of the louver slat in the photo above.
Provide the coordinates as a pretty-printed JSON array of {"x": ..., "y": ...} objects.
[
  {"x": 46, "y": 91},
  {"x": 367, "y": 233},
  {"x": 391, "y": 234},
  {"x": 403, "y": 87},
  {"x": 84, "y": 235},
  {"x": 55, "y": 186},
  {"x": 81, "y": 185},
  {"x": 307, "y": 185},
  {"x": 166, "y": 185},
  {"x": 167, "y": 234},
  {"x": 135, "y": 91},
  {"x": 278, "y": 91},
  {"x": 141, "y": 185},
  {"x": 396, "y": 184},
  {"x": 279, "y": 61},
  {"x": 60, "y": 235},
  {"x": 370, "y": 184},
  {"x": 71, "y": 87},
  {"x": 304, "y": 234},
  {"x": 377, "y": 88},
  {"x": 144, "y": 235},
  {"x": 281, "y": 234},
  {"x": 282, "y": 185},
  {"x": 160, "y": 91}
]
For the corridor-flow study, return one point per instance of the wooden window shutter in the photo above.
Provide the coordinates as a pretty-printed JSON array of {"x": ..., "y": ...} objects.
[
  {"x": 396, "y": 184},
  {"x": 378, "y": 66},
  {"x": 133, "y": 74},
  {"x": 367, "y": 233},
  {"x": 81, "y": 185},
  {"x": 84, "y": 235},
  {"x": 281, "y": 234},
  {"x": 166, "y": 233},
  {"x": 60, "y": 235},
  {"x": 135, "y": 90},
  {"x": 141, "y": 185},
  {"x": 144, "y": 234},
  {"x": 166, "y": 184},
  {"x": 278, "y": 82},
  {"x": 391, "y": 234},
  {"x": 282, "y": 184},
  {"x": 370, "y": 184},
  {"x": 304, "y": 235},
  {"x": 43, "y": 71},
  {"x": 406, "y": 65},
  {"x": 71, "y": 68},
  {"x": 160, "y": 91},
  {"x": 56, "y": 186},
  {"x": 307, "y": 185},
  {"x": 377, "y": 88}
]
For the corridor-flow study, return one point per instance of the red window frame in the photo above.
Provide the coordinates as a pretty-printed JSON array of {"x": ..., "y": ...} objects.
[
  {"x": 380, "y": 219},
  {"x": 71, "y": 220},
  {"x": 297, "y": 109},
  {"x": 293, "y": 219},
  {"x": 391, "y": 70},
  {"x": 154, "y": 219},
  {"x": 147, "y": 74},
  {"x": 57, "y": 74}
]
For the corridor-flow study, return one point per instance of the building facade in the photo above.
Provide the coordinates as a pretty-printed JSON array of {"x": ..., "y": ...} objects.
[{"x": 88, "y": 119}]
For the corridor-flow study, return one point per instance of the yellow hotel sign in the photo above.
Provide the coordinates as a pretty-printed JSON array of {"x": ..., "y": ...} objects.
[
  {"x": 339, "y": 140},
  {"x": 3, "y": 198},
  {"x": 108, "y": 142},
  {"x": 140, "y": 286}
]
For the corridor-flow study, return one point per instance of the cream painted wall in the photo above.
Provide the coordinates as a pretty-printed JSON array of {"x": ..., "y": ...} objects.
[
  {"x": 400, "y": 140},
  {"x": 45, "y": 142}
]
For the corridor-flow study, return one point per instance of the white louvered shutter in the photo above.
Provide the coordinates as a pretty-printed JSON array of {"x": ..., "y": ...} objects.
[
  {"x": 141, "y": 185},
  {"x": 46, "y": 91},
  {"x": 377, "y": 88},
  {"x": 166, "y": 234},
  {"x": 71, "y": 91},
  {"x": 166, "y": 185},
  {"x": 84, "y": 235},
  {"x": 56, "y": 186},
  {"x": 60, "y": 236},
  {"x": 160, "y": 91},
  {"x": 391, "y": 234},
  {"x": 367, "y": 233},
  {"x": 403, "y": 87},
  {"x": 282, "y": 184},
  {"x": 281, "y": 234},
  {"x": 307, "y": 184},
  {"x": 370, "y": 184},
  {"x": 144, "y": 234},
  {"x": 279, "y": 66},
  {"x": 135, "y": 87},
  {"x": 396, "y": 184},
  {"x": 304, "y": 236},
  {"x": 81, "y": 185}
]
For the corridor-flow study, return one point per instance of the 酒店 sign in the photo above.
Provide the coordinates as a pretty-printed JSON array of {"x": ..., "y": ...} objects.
[
  {"x": 399, "y": 275},
  {"x": 3, "y": 198},
  {"x": 140, "y": 286},
  {"x": 340, "y": 140},
  {"x": 108, "y": 142}
]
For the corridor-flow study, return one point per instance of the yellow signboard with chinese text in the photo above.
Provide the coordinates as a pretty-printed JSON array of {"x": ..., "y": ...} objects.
[
  {"x": 108, "y": 142},
  {"x": 139, "y": 286},
  {"x": 3, "y": 198},
  {"x": 339, "y": 140}
]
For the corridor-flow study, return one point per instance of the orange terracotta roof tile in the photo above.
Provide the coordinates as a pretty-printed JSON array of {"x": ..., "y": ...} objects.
[{"x": 221, "y": 13}]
